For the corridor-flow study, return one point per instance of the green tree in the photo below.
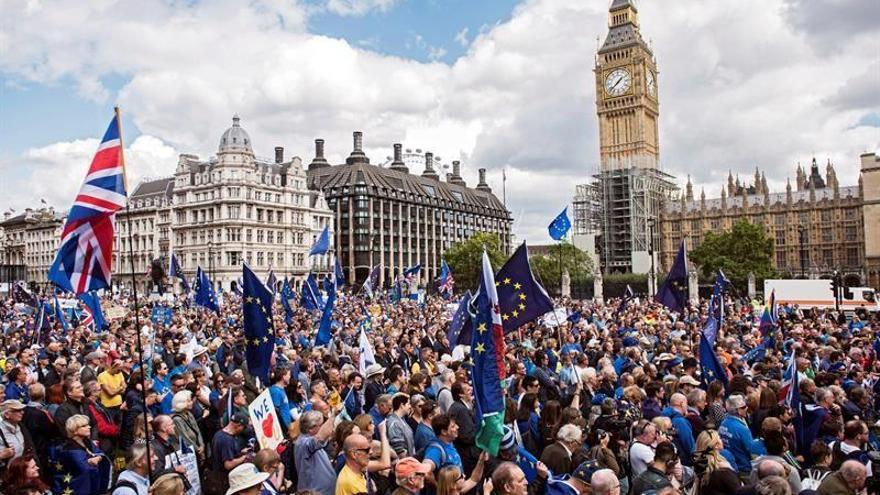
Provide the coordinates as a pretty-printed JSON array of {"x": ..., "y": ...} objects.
[
  {"x": 746, "y": 248},
  {"x": 546, "y": 267},
  {"x": 465, "y": 258}
]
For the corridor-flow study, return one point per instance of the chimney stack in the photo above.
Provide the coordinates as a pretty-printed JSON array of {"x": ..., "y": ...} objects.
[
  {"x": 279, "y": 154},
  {"x": 357, "y": 154},
  {"x": 398, "y": 163},
  {"x": 455, "y": 177},
  {"x": 319, "y": 161},
  {"x": 482, "y": 186},
  {"x": 429, "y": 172}
]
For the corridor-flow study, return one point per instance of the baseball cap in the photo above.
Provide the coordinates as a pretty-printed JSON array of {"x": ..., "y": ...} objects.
[
  {"x": 585, "y": 471},
  {"x": 241, "y": 418},
  {"x": 409, "y": 466}
]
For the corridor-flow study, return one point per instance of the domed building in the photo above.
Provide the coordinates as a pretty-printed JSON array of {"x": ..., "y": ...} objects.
[{"x": 217, "y": 212}]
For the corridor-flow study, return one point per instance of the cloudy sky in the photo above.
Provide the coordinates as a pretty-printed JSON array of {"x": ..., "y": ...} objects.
[{"x": 498, "y": 84}]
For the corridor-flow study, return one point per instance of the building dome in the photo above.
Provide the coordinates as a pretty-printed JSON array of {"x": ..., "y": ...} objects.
[{"x": 235, "y": 139}]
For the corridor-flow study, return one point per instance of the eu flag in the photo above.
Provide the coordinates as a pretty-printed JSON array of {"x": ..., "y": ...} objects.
[
  {"x": 339, "y": 274},
  {"x": 324, "y": 334},
  {"x": 628, "y": 296},
  {"x": 174, "y": 271},
  {"x": 287, "y": 295},
  {"x": 272, "y": 281},
  {"x": 710, "y": 367},
  {"x": 205, "y": 296},
  {"x": 560, "y": 226},
  {"x": 322, "y": 245},
  {"x": 460, "y": 329},
  {"x": 372, "y": 281},
  {"x": 259, "y": 332},
  {"x": 311, "y": 296},
  {"x": 673, "y": 291},
  {"x": 521, "y": 297},
  {"x": 23, "y": 296},
  {"x": 487, "y": 350},
  {"x": 59, "y": 316}
]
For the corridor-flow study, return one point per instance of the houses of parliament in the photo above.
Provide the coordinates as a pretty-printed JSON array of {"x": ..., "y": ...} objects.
[{"x": 634, "y": 213}]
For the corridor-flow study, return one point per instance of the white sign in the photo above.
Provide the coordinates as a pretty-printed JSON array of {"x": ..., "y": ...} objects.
[
  {"x": 187, "y": 458},
  {"x": 265, "y": 421},
  {"x": 556, "y": 317}
]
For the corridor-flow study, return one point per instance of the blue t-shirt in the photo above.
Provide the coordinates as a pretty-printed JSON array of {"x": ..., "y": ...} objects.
[
  {"x": 423, "y": 436},
  {"x": 225, "y": 448},
  {"x": 443, "y": 454}
]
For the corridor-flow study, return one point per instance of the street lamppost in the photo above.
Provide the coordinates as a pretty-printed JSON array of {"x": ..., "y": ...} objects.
[
  {"x": 802, "y": 238},
  {"x": 211, "y": 261},
  {"x": 652, "y": 277}
]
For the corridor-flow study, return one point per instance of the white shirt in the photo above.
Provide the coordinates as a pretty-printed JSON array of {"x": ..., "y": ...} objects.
[{"x": 640, "y": 456}]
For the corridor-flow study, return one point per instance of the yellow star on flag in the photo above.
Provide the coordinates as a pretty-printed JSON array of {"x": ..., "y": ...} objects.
[
  {"x": 481, "y": 328},
  {"x": 505, "y": 317},
  {"x": 68, "y": 478},
  {"x": 507, "y": 281},
  {"x": 58, "y": 466},
  {"x": 67, "y": 491},
  {"x": 517, "y": 286},
  {"x": 480, "y": 348},
  {"x": 265, "y": 339},
  {"x": 515, "y": 313},
  {"x": 249, "y": 299},
  {"x": 522, "y": 297},
  {"x": 522, "y": 307}
]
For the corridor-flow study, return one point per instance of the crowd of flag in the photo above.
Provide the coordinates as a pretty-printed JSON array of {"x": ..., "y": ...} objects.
[{"x": 502, "y": 303}]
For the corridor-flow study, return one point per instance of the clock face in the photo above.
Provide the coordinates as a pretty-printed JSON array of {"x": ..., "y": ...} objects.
[
  {"x": 652, "y": 83},
  {"x": 617, "y": 82}
]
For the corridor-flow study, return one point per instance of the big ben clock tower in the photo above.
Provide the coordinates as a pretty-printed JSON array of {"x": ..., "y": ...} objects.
[
  {"x": 630, "y": 185},
  {"x": 626, "y": 94}
]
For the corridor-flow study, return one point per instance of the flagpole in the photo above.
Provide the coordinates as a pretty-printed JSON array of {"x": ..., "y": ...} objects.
[{"x": 137, "y": 319}]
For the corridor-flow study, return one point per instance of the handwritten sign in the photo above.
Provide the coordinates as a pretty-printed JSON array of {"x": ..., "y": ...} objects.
[{"x": 265, "y": 421}]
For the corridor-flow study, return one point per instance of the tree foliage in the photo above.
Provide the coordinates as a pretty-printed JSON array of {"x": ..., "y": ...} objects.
[
  {"x": 547, "y": 267},
  {"x": 745, "y": 249},
  {"x": 465, "y": 259}
]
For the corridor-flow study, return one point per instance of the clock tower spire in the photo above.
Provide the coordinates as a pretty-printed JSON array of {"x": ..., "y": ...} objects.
[{"x": 626, "y": 94}]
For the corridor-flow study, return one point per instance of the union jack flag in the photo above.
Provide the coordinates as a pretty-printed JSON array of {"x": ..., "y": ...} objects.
[{"x": 83, "y": 262}]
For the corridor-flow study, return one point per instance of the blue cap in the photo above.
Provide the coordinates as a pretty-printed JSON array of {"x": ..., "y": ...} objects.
[
  {"x": 630, "y": 342},
  {"x": 585, "y": 471},
  {"x": 675, "y": 362},
  {"x": 598, "y": 398}
]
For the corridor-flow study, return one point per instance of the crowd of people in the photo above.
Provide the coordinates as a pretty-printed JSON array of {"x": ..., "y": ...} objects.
[{"x": 609, "y": 401}]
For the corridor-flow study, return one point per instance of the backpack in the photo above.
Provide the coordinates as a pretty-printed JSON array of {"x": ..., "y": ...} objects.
[
  {"x": 443, "y": 460},
  {"x": 123, "y": 484},
  {"x": 838, "y": 457},
  {"x": 813, "y": 478}
]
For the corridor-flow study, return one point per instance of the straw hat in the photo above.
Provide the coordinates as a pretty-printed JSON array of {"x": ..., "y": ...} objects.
[{"x": 245, "y": 476}]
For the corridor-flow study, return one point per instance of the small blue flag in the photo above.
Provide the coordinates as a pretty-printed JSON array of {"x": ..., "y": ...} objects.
[
  {"x": 339, "y": 274},
  {"x": 259, "y": 331},
  {"x": 560, "y": 226},
  {"x": 272, "y": 281},
  {"x": 521, "y": 297},
  {"x": 372, "y": 281},
  {"x": 329, "y": 285},
  {"x": 673, "y": 290},
  {"x": 710, "y": 366},
  {"x": 460, "y": 329},
  {"x": 628, "y": 296},
  {"x": 21, "y": 295},
  {"x": 287, "y": 295},
  {"x": 447, "y": 282},
  {"x": 322, "y": 245},
  {"x": 59, "y": 316},
  {"x": 311, "y": 296},
  {"x": 324, "y": 334},
  {"x": 174, "y": 271},
  {"x": 205, "y": 296}
]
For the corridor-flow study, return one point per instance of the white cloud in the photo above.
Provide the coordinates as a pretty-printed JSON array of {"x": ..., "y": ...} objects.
[
  {"x": 55, "y": 172},
  {"x": 461, "y": 37},
  {"x": 358, "y": 7},
  {"x": 742, "y": 83}
]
